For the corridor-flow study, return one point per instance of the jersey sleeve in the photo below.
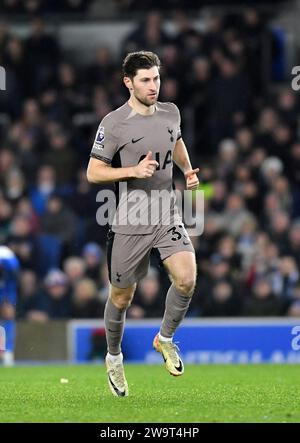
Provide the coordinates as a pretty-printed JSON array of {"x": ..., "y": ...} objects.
[
  {"x": 105, "y": 144},
  {"x": 178, "y": 134}
]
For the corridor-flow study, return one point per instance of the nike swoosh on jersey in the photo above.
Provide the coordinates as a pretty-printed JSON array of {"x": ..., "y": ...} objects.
[
  {"x": 137, "y": 140},
  {"x": 123, "y": 146}
]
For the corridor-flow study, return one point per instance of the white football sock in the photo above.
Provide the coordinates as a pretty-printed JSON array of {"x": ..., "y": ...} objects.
[
  {"x": 8, "y": 358},
  {"x": 164, "y": 339},
  {"x": 115, "y": 358}
]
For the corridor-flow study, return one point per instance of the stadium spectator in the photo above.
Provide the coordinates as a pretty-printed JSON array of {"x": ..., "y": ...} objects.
[
  {"x": 262, "y": 302},
  {"x": 55, "y": 301},
  {"x": 223, "y": 302},
  {"x": 85, "y": 303},
  {"x": 43, "y": 54},
  {"x": 286, "y": 277},
  {"x": 22, "y": 240},
  {"x": 74, "y": 268},
  {"x": 61, "y": 157},
  {"x": 235, "y": 214},
  {"x": 28, "y": 300},
  {"x": 230, "y": 100},
  {"x": 44, "y": 187},
  {"x": 59, "y": 221},
  {"x": 93, "y": 257},
  {"x": 149, "y": 34},
  {"x": 6, "y": 211},
  {"x": 147, "y": 302}
]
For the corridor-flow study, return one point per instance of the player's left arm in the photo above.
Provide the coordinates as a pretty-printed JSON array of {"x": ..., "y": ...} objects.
[{"x": 182, "y": 160}]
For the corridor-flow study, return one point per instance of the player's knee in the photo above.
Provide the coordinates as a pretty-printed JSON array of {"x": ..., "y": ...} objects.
[
  {"x": 124, "y": 303},
  {"x": 186, "y": 285},
  {"x": 122, "y": 298}
]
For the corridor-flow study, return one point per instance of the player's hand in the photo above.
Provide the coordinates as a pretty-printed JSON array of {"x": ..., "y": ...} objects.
[
  {"x": 146, "y": 167},
  {"x": 192, "y": 181}
]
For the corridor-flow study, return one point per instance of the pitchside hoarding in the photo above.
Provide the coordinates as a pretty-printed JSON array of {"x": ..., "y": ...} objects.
[{"x": 220, "y": 341}]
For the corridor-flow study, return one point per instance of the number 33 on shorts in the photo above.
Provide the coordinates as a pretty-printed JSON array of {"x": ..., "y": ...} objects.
[{"x": 179, "y": 232}]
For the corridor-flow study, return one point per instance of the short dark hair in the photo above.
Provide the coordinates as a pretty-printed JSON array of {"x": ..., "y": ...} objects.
[{"x": 139, "y": 60}]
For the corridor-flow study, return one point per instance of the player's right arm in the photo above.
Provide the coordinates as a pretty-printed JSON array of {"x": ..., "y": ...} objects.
[
  {"x": 103, "y": 151},
  {"x": 99, "y": 171}
]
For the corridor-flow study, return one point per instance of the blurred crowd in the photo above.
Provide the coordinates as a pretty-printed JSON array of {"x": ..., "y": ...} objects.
[
  {"x": 31, "y": 7},
  {"x": 166, "y": 5},
  {"x": 244, "y": 139},
  {"x": 67, "y": 7}
]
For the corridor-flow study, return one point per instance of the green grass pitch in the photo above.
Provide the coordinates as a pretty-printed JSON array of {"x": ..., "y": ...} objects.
[{"x": 262, "y": 393}]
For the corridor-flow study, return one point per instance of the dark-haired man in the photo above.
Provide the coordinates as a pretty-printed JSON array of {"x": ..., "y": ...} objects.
[{"x": 136, "y": 145}]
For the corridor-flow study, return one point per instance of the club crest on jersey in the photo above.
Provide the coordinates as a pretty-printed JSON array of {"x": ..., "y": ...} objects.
[
  {"x": 170, "y": 131},
  {"x": 100, "y": 135}
]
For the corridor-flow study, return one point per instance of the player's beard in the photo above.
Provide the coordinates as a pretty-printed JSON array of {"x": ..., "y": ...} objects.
[{"x": 146, "y": 101}]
